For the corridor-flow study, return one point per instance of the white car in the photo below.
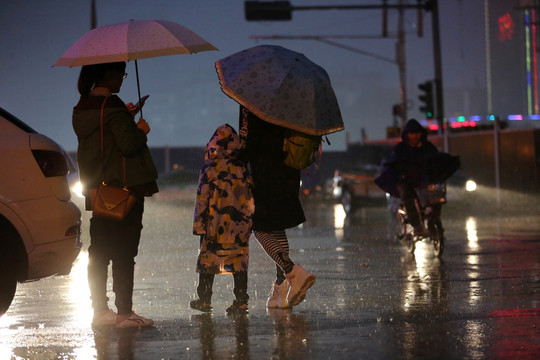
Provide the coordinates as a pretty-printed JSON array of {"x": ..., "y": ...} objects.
[{"x": 39, "y": 225}]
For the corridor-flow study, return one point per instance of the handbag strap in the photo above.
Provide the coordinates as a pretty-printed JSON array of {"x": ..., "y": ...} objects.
[{"x": 124, "y": 178}]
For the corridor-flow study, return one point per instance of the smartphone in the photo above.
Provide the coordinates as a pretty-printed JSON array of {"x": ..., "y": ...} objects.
[{"x": 140, "y": 103}]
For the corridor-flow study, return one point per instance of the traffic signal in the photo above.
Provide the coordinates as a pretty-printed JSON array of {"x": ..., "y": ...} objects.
[
  {"x": 426, "y": 99},
  {"x": 267, "y": 10}
]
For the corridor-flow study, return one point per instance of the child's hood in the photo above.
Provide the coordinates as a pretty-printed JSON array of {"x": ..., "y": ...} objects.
[{"x": 224, "y": 143}]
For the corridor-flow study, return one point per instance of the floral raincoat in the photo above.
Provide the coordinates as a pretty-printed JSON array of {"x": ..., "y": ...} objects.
[{"x": 224, "y": 206}]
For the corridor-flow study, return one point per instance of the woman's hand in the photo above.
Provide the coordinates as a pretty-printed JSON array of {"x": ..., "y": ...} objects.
[
  {"x": 143, "y": 125},
  {"x": 133, "y": 109}
]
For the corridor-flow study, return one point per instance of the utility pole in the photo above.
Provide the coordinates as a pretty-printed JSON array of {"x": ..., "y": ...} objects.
[
  {"x": 400, "y": 58},
  {"x": 437, "y": 65}
]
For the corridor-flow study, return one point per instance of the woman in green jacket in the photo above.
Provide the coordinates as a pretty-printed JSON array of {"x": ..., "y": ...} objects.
[{"x": 111, "y": 240}]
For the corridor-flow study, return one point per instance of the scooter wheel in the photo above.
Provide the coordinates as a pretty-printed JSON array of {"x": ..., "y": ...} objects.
[{"x": 436, "y": 235}]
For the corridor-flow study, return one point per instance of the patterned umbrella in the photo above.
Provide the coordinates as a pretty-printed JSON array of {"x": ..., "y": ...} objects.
[
  {"x": 132, "y": 40},
  {"x": 282, "y": 87}
]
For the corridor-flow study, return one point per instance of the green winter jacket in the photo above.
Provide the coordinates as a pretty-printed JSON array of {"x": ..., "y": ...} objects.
[{"x": 121, "y": 137}]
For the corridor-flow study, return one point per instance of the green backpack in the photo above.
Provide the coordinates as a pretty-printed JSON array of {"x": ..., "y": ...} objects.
[{"x": 300, "y": 149}]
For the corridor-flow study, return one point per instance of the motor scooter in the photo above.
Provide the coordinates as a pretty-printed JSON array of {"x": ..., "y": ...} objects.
[{"x": 428, "y": 201}]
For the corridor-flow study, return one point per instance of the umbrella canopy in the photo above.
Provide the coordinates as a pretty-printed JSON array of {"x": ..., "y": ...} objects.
[
  {"x": 282, "y": 87},
  {"x": 132, "y": 40}
]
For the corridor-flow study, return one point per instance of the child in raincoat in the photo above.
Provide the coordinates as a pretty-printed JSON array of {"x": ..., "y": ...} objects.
[{"x": 222, "y": 217}]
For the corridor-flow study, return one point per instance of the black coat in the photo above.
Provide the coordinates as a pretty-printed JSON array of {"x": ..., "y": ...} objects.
[{"x": 275, "y": 185}]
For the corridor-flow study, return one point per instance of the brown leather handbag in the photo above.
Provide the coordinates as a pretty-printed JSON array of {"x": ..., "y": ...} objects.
[{"x": 111, "y": 202}]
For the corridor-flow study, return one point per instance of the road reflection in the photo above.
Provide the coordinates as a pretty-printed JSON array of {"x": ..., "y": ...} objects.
[
  {"x": 66, "y": 300},
  {"x": 79, "y": 307},
  {"x": 207, "y": 334},
  {"x": 339, "y": 221},
  {"x": 290, "y": 331},
  {"x": 425, "y": 290},
  {"x": 210, "y": 332},
  {"x": 472, "y": 233},
  {"x": 424, "y": 298},
  {"x": 125, "y": 344},
  {"x": 518, "y": 332}
]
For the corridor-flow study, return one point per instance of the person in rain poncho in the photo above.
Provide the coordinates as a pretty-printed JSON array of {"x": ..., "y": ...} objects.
[
  {"x": 222, "y": 217},
  {"x": 410, "y": 158},
  {"x": 277, "y": 206}
]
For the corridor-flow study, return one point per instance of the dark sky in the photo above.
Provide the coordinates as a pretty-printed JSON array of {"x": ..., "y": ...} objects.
[{"x": 186, "y": 103}]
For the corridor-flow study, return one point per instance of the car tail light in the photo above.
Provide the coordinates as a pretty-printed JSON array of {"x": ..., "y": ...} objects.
[
  {"x": 51, "y": 163},
  {"x": 72, "y": 231},
  {"x": 75, "y": 230}
]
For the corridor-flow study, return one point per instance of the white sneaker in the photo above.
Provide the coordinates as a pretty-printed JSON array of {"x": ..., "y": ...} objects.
[
  {"x": 133, "y": 321},
  {"x": 104, "y": 318},
  {"x": 278, "y": 297},
  {"x": 300, "y": 281}
]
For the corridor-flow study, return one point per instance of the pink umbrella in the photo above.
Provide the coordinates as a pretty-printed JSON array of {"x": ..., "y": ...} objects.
[{"x": 132, "y": 40}]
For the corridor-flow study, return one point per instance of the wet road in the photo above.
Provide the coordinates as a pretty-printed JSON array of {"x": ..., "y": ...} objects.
[{"x": 371, "y": 300}]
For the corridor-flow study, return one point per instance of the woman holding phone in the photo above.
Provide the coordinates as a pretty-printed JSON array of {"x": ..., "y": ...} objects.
[{"x": 106, "y": 155}]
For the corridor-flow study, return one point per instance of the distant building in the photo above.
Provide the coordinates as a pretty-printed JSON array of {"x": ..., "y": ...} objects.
[{"x": 512, "y": 57}]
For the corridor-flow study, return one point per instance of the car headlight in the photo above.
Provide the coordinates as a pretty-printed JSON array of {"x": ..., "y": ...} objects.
[
  {"x": 470, "y": 185},
  {"x": 77, "y": 189}
]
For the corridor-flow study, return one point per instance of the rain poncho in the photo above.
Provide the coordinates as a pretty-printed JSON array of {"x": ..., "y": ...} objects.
[
  {"x": 415, "y": 166},
  {"x": 223, "y": 207}
]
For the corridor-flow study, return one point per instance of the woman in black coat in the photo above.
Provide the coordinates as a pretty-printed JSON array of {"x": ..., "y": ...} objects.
[{"x": 277, "y": 206}]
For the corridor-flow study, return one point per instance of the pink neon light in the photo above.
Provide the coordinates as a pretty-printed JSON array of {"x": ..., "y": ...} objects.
[
  {"x": 535, "y": 61},
  {"x": 455, "y": 125}
]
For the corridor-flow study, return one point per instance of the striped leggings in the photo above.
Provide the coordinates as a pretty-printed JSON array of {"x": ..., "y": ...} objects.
[{"x": 276, "y": 245}]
